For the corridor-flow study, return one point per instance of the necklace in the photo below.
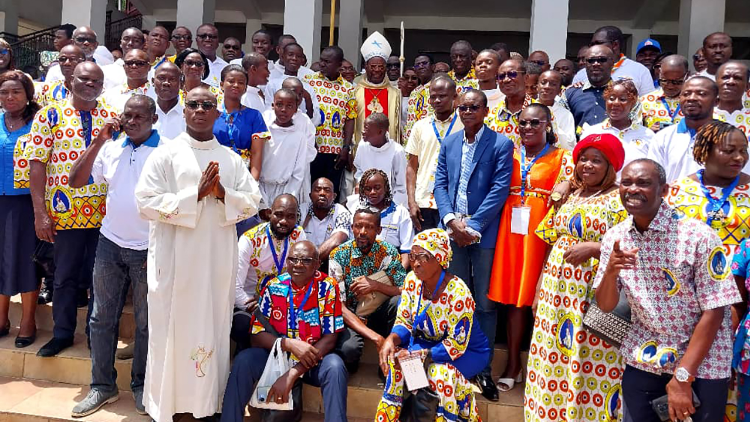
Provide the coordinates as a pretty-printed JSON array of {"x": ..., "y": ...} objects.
[
  {"x": 13, "y": 125},
  {"x": 375, "y": 106}
]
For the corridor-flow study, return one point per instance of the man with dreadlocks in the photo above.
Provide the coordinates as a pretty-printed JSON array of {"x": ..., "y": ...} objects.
[{"x": 363, "y": 266}]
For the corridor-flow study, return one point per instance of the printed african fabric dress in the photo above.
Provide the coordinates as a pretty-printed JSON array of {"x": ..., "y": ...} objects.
[
  {"x": 572, "y": 375},
  {"x": 732, "y": 226},
  {"x": 459, "y": 350},
  {"x": 738, "y": 405}
]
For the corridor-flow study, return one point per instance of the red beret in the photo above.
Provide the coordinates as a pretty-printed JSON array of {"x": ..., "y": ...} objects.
[{"x": 607, "y": 144}]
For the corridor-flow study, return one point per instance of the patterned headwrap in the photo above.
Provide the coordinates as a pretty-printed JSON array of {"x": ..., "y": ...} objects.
[{"x": 437, "y": 243}]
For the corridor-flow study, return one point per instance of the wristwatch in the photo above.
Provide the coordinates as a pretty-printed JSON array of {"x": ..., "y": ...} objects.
[{"x": 682, "y": 375}]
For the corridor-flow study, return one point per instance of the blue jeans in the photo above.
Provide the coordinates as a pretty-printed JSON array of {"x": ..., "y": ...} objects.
[
  {"x": 115, "y": 269},
  {"x": 639, "y": 388},
  {"x": 330, "y": 375},
  {"x": 473, "y": 265}
]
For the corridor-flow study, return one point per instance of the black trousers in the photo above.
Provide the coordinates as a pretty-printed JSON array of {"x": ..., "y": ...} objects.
[
  {"x": 639, "y": 388},
  {"x": 324, "y": 165},
  {"x": 350, "y": 344}
]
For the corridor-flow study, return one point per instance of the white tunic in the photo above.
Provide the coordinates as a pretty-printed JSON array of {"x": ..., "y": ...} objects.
[
  {"x": 192, "y": 264},
  {"x": 252, "y": 98},
  {"x": 564, "y": 125},
  {"x": 284, "y": 158}
]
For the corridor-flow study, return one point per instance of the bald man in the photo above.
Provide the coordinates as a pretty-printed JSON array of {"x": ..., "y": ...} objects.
[
  {"x": 732, "y": 81},
  {"x": 462, "y": 66},
  {"x": 661, "y": 108},
  {"x": 55, "y": 91},
  {"x": 137, "y": 68},
  {"x": 540, "y": 58},
  {"x": 194, "y": 191}
]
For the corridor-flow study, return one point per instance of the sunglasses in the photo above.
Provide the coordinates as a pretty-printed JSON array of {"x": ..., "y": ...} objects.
[
  {"x": 205, "y": 105},
  {"x": 697, "y": 57},
  {"x": 600, "y": 60},
  {"x": 513, "y": 74},
  {"x": 4, "y": 51},
  {"x": 303, "y": 261},
  {"x": 136, "y": 63},
  {"x": 208, "y": 36},
  {"x": 421, "y": 65},
  {"x": 533, "y": 123},
  {"x": 182, "y": 37},
  {"x": 672, "y": 81},
  {"x": 190, "y": 63},
  {"x": 83, "y": 40},
  {"x": 231, "y": 47},
  {"x": 465, "y": 108},
  {"x": 63, "y": 59},
  {"x": 538, "y": 62}
]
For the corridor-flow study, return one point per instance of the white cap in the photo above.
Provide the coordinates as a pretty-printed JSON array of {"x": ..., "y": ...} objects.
[{"x": 375, "y": 46}]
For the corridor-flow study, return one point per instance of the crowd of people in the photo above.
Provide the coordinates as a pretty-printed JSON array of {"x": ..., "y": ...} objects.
[{"x": 248, "y": 206}]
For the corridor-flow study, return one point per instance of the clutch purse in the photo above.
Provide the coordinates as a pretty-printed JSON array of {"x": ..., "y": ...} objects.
[
  {"x": 610, "y": 326},
  {"x": 661, "y": 406},
  {"x": 372, "y": 301}
]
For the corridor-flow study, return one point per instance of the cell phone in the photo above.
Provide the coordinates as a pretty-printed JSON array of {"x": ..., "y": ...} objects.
[
  {"x": 262, "y": 393},
  {"x": 661, "y": 405}
]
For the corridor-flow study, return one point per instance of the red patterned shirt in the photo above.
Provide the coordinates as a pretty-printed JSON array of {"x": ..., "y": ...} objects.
[{"x": 682, "y": 270}]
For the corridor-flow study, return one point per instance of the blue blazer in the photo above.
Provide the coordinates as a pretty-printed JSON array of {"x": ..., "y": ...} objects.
[{"x": 489, "y": 181}]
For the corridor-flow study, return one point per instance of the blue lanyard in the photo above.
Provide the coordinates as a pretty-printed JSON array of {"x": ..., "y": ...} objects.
[
  {"x": 669, "y": 109},
  {"x": 86, "y": 123},
  {"x": 388, "y": 211},
  {"x": 525, "y": 169},
  {"x": 163, "y": 59},
  {"x": 448, "y": 132},
  {"x": 231, "y": 121},
  {"x": 279, "y": 263},
  {"x": 716, "y": 204},
  {"x": 422, "y": 316},
  {"x": 292, "y": 308}
]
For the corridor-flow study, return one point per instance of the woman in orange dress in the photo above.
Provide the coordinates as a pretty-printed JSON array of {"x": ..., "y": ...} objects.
[{"x": 519, "y": 254}]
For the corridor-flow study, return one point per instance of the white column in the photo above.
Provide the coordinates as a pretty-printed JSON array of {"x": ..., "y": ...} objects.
[
  {"x": 350, "y": 29},
  {"x": 91, "y": 13},
  {"x": 636, "y": 36},
  {"x": 698, "y": 18},
  {"x": 303, "y": 19},
  {"x": 251, "y": 26},
  {"x": 9, "y": 16},
  {"x": 194, "y": 13},
  {"x": 549, "y": 27}
]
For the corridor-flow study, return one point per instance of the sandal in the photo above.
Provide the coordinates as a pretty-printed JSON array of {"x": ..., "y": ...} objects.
[{"x": 507, "y": 384}]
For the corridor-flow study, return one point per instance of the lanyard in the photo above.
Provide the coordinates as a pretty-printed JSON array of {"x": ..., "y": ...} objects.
[
  {"x": 525, "y": 169},
  {"x": 279, "y": 263},
  {"x": 422, "y": 316},
  {"x": 292, "y": 308},
  {"x": 448, "y": 132},
  {"x": 163, "y": 59},
  {"x": 86, "y": 123},
  {"x": 669, "y": 109},
  {"x": 716, "y": 204},
  {"x": 231, "y": 119}
]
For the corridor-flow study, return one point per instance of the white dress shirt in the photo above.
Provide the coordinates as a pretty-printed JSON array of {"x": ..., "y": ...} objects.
[
  {"x": 114, "y": 74},
  {"x": 629, "y": 69},
  {"x": 172, "y": 122},
  {"x": 119, "y": 165},
  {"x": 705, "y": 73},
  {"x": 215, "y": 67},
  {"x": 252, "y": 99}
]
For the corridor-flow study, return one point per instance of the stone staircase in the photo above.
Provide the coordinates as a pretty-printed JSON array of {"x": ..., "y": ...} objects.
[{"x": 34, "y": 389}]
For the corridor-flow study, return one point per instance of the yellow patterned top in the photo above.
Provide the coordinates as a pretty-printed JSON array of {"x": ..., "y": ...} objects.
[
  {"x": 58, "y": 138},
  {"x": 655, "y": 111},
  {"x": 337, "y": 105}
]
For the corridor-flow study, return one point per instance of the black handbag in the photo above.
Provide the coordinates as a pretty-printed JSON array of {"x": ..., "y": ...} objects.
[
  {"x": 44, "y": 258},
  {"x": 609, "y": 326},
  {"x": 420, "y": 406}
]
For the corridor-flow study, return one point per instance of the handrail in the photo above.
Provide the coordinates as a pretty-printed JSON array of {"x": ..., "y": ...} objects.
[{"x": 115, "y": 28}]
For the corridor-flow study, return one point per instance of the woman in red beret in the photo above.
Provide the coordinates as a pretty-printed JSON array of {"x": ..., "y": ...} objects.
[{"x": 573, "y": 375}]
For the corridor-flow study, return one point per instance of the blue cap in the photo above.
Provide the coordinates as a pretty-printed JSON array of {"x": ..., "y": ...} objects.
[{"x": 648, "y": 42}]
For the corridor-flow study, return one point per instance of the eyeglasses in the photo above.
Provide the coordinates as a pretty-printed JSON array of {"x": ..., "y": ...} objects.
[
  {"x": 533, "y": 123},
  {"x": 419, "y": 257},
  {"x": 205, "y": 105},
  {"x": 190, "y": 63},
  {"x": 600, "y": 60},
  {"x": 4, "y": 51},
  {"x": 464, "y": 108},
  {"x": 136, "y": 63},
  {"x": 63, "y": 59},
  {"x": 672, "y": 81},
  {"x": 83, "y": 40},
  {"x": 303, "y": 261},
  {"x": 182, "y": 37},
  {"x": 231, "y": 47},
  {"x": 208, "y": 36},
  {"x": 697, "y": 57},
  {"x": 512, "y": 74},
  {"x": 538, "y": 62}
]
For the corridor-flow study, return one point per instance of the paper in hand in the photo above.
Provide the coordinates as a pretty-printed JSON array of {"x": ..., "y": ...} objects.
[{"x": 413, "y": 371}]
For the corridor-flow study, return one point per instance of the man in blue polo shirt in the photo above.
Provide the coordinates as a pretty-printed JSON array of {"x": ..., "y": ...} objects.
[
  {"x": 122, "y": 248},
  {"x": 586, "y": 101}
]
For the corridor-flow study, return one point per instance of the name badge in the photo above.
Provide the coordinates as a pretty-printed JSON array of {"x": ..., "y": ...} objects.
[
  {"x": 413, "y": 371},
  {"x": 519, "y": 221}
]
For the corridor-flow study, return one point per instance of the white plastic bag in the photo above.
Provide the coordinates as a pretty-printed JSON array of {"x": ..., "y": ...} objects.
[{"x": 277, "y": 365}]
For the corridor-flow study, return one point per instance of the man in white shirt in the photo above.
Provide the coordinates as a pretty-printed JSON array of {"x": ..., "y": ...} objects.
[
  {"x": 423, "y": 148},
  {"x": 166, "y": 82},
  {"x": 136, "y": 72},
  {"x": 278, "y": 68},
  {"x": 550, "y": 85},
  {"x": 611, "y": 36},
  {"x": 732, "y": 81},
  {"x": 207, "y": 39},
  {"x": 673, "y": 147},
  {"x": 83, "y": 37},
  {"x": 717, "y": 50},
  {"x": 376, "y": 150},
  {"x": 293, "y": 56},
  {"x": 114, "y": 74},
  {"x": 256, "y": 66},
  {"x": 326, "y": 223},
  {"x": 122, "y": 248}
]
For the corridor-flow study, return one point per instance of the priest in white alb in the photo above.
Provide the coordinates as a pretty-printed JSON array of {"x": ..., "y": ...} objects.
[{"x": 194, "y": 191}]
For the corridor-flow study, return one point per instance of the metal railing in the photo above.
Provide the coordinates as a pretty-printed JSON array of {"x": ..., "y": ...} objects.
[
  {"x": 26, "y": 49},
  {"x": 114, "y": 28}
]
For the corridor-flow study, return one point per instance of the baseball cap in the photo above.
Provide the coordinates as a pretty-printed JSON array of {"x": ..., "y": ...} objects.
[{"x": 648, "y": 42}]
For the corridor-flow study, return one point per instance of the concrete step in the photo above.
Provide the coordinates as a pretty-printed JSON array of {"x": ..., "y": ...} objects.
[
  {"x": 73, "y": 368},
  {"x": 44, "y": 318}
]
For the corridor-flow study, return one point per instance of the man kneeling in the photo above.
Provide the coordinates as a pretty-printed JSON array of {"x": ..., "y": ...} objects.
[{"x": 308, "y": 324}]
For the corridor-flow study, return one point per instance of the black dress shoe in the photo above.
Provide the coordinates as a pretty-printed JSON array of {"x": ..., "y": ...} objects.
[
  {"x": 22, "y": 342},
  {"x": 54, "y": 346},
  {"x": 489, "y": 389}
]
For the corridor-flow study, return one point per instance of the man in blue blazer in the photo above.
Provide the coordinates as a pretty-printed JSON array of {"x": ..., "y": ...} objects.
[{"x": 472, "y": 182}]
